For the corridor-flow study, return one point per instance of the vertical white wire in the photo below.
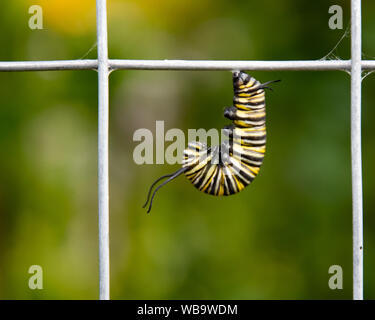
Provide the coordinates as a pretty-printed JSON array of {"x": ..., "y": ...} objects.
[
  {"x": 356, "y": 79},
  {"x": 103, "y": 179}
]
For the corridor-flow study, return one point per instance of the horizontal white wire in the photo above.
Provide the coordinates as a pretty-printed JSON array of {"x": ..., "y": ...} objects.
[
  {"x": 298, "y": 65},
  {"x": 237, "y": 65},
  {"x": 48, "y": 65}
]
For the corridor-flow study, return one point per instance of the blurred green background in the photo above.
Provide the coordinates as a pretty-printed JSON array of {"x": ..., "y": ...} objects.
[{"x": 277, "y": 239}]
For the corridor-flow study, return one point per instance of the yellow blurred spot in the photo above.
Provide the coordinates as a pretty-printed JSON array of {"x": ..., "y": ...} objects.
[
  {"x": 75, "y": 17},
  {"x": 171, "y": 12}
]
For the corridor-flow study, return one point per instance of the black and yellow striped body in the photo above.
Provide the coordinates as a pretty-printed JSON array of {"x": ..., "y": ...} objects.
[{"x": 230, "y": 167}]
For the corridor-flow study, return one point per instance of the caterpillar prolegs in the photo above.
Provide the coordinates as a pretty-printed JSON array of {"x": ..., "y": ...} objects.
[{"x": 229, "y": 167}]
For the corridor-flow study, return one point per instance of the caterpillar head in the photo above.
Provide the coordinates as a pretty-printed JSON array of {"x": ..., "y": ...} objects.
[{"x": 240, "y": 78}]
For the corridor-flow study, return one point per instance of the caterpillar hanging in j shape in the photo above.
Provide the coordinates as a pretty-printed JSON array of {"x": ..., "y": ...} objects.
[{"x": 228, "y": 168}]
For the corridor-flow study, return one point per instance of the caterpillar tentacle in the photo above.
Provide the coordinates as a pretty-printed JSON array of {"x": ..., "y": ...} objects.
[
  {"x": 171, "y": 177},
  {"x": 153, "y": 184}
]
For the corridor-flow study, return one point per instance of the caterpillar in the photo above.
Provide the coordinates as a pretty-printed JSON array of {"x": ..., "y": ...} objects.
[{"x": 228, "y": 168}]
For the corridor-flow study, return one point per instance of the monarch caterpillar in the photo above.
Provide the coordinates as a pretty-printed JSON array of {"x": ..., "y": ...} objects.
[{"x": 229, "y": 167}]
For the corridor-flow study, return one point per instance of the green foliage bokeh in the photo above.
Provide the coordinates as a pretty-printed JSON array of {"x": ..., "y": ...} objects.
[{"x": 275, "y": 240}]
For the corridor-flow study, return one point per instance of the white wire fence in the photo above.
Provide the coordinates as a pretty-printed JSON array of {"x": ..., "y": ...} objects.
[{"x": 104, "y": 66}]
